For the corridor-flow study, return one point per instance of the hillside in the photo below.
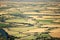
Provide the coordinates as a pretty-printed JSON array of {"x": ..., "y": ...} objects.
[{"x": 30, "y": 20}]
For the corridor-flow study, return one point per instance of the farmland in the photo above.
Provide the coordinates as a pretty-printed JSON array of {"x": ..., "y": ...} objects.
[{"x": 31, "y": 20}]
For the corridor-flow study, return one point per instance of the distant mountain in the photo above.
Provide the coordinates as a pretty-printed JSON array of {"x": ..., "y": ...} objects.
[{"x": 32, "y": 0}]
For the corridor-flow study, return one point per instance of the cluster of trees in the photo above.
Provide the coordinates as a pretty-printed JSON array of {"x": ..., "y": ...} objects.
[
  {"x": 2, "y": 18},
  {"x": 44, "y": 36}
]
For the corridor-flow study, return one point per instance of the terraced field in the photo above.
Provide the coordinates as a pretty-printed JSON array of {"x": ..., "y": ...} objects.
[{"x": 30, "y": 20}]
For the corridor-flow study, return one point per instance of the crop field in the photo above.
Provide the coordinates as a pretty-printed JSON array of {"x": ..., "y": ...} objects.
[{"x": 30, "y": 21}]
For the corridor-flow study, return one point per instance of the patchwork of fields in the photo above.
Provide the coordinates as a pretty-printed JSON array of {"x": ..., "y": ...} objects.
[{"x": 30, "y": 20}]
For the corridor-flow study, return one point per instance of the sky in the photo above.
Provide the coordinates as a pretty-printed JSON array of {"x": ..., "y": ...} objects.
[{"x": 32, "y": 0}]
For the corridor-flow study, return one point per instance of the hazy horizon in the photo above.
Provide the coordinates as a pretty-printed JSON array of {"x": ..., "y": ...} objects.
[{"x": 32, "y": 0}]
